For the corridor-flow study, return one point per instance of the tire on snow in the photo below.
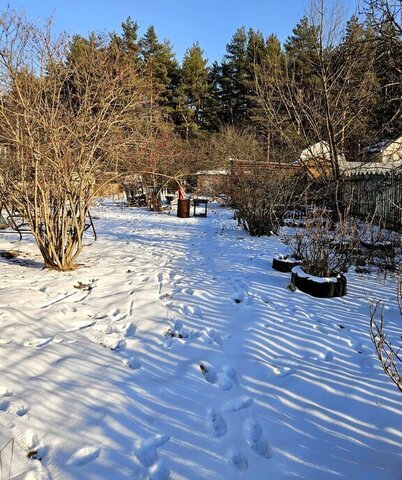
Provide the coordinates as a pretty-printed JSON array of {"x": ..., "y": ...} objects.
[
  {"x": 284, "y": 264},
  {"x": 330, "y": 289}
]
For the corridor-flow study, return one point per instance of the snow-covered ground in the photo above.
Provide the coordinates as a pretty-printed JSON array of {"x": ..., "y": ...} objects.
[{"x": 184, "y": 356}]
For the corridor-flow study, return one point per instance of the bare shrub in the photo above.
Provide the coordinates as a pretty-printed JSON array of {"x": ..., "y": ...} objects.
[
  {"x": 325, "y": 247},
  {"x": 63, "y": 122},
  {"x": 389, "y": 355},
  {"x": 260, "y": 198}
]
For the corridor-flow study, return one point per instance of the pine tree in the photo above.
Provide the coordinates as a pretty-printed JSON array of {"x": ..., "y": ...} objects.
[
  {"x": 161, "y": 68},
  {"x": 127, "y": 43},
  {"x": 302, "y": 50},
  {"x": 195, "y": 88},
  {"x": 234, "y": 80}
]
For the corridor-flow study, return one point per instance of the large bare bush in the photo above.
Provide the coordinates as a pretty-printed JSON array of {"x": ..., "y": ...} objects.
[
  {"x": 63, "y": 122},
  {"x": 260, "y": 197}
]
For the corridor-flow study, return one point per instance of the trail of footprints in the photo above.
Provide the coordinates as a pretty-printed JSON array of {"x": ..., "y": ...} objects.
[
  {"x": 225, "y": 378},
  {"x": 253, "y": 434}
]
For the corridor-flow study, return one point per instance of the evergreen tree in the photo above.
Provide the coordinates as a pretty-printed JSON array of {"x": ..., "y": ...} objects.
[
  {"x": 302, "y": 50},
  {"x": 126, "y": 44},
  {"x": 195, "y": 87},
  {"x": 159, "y": 58},
  {"x": 235, "y": 75},
  {"x": 162, "y": 69}
]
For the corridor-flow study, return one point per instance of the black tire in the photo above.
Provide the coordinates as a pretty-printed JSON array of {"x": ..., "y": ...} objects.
[
  {"x": 284, "y": 265},
  {"x": 318, "y": 289},
  {"x": 380, "y": 246}
]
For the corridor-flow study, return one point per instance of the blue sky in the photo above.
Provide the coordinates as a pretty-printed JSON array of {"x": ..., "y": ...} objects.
[{"x": 183, "y": 22}]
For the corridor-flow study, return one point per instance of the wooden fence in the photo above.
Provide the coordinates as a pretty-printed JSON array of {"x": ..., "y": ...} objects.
[{"x": 377, "y": 196}]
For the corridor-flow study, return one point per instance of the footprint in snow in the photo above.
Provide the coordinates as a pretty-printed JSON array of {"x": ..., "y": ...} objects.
[
  {"x": 326, "y": 355},
  {"x": 224, "y": 379},
  {"x": 146, "y": 451},
  {"x": 240, "y": 297},
  {"x": 159, "y": 471},
  {"x": 208, "y": 373},
  {"x": 209, "y": 335},
  {"x": 132, "y": 363},
  {"x": 178, "y": 331},
  {"x": 237, "y": 404},
  {"x": 255, "y": 438},
  {"x": 35, "y": 450},
  {"x": 192, "y": 311},
  {"x": 4, "y": 404},
  {"x": 216, "y": 423},
  {"x": 356, "y": 345},
  {"x": 367, "y": 362},
  {"x": 83, "y": 456},
  {"x": 159, "y": 281},
  {"x": 237, "y": 459},
  {"x": 165, "y": 297},
  {"x": 38, "y": 342},
  {"x": 21, "y": 410},
  {"x": 241, "y": 292},
  {"x": 114, "y": 312}
]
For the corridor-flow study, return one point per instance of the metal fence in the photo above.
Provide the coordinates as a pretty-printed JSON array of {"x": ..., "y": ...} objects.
[{"x": 376, "y": 196}]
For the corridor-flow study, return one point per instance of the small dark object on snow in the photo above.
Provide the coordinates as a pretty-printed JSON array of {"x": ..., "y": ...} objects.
[
  {"x": 9, "y": 254},
  {"x": 84, "y": 286},
  {"x": 204, "y": 370},
  {"x": 34, "y": 454},
  {"x": 172, "y": 334},
  {"x": 341, "y": 326},
  {"x": 237, "y": 300}
]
